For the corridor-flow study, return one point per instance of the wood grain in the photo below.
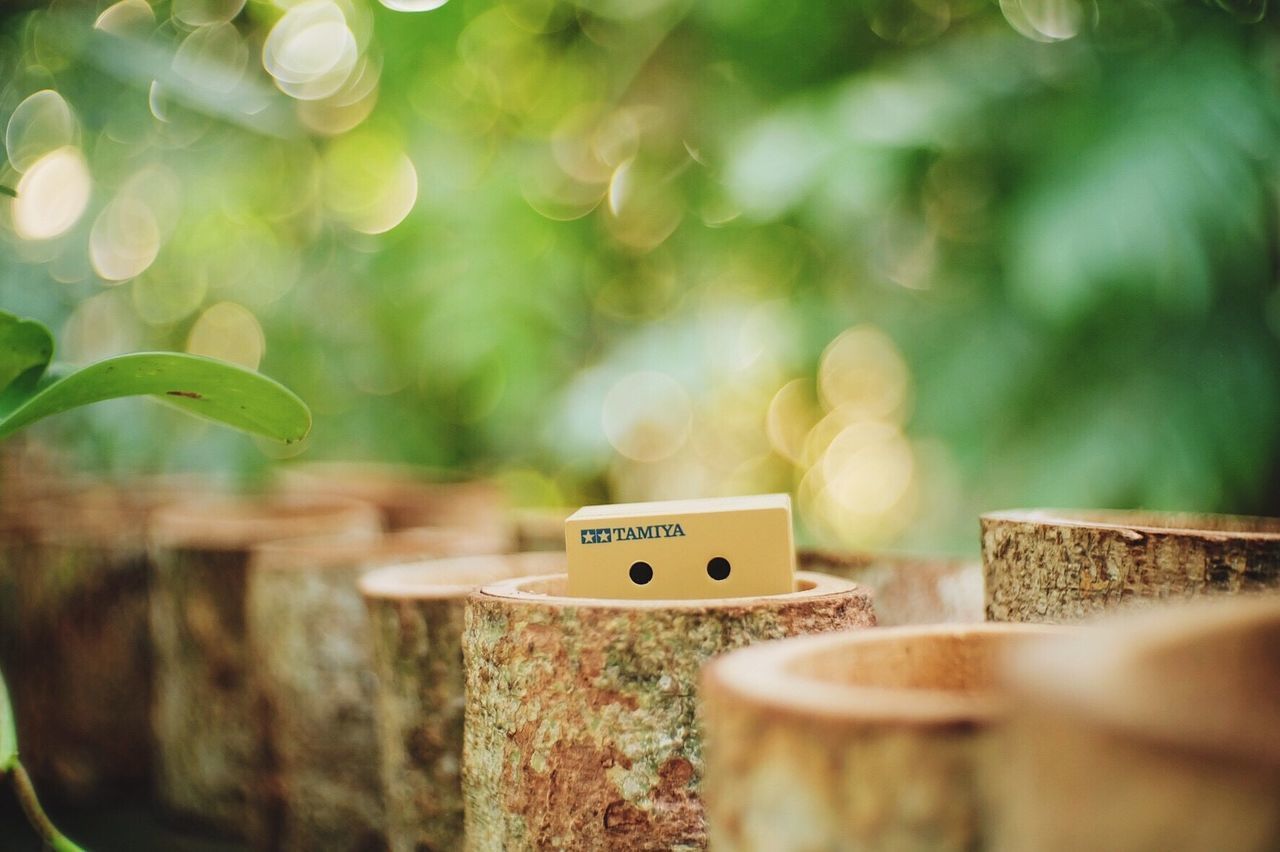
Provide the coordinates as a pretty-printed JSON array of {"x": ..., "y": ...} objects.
[
  {"x": 1054, "y": 566},
  {"x": 580, "y": 722}
]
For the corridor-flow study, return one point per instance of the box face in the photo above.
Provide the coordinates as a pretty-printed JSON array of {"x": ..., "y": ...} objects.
[{"x": 682, "y": 549}]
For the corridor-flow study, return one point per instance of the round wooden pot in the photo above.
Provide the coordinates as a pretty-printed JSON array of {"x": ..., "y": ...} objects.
[
  {"x": 416, "y": 614},
  {"x": 1154, "y": 732},
  {"x": 73, "y": 642},
  {"x": 873, "y": 740},
  {"x": 907, "y": 589},
  {"x": 309, "y": 639},
  {"x": 580, "y": 723},
  {"x": 202, "y": 711},
  {"x": 1052, "y": 566},
  {"x": 408, "y": 496}
]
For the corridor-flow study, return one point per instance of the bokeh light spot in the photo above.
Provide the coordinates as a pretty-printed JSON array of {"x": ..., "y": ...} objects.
[
  {"x": 52, "y": 195},
  {"x": 909, "y": 22},
  {"x": 792, "y": 413},
  {"x": 644, "y": 207},
  {"x": 214, "y": 56},
  {"x": 41, "y": 123},
  {"x": 370, "y": 183},
  {"x": 125, "y": 239},
  {"x": 647, "y": 416},
  {"x": 347, "y": 107},
  {"x": 557, "y": 195},
  {"x": 131, "y": 18},
  {"x": 168, "y": 292},
  {"x": 861, "y": 371},
  {"x": 311, "y": 51},
  {"x": 199, "y": 13},
  {"x": 867, "y": 467},
  {"x": 99, "y": 327},
  {"x": 229, "y": 332},
  {"x": 413, "y": 5},
  {"x": 1043, "y": 20}
]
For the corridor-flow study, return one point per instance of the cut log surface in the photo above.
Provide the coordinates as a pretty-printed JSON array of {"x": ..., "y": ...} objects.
[
  {"x": 875, "y": 740},
  {"x": 580, "y": 722},
  {"x": 206, "y": 733},
  {"x": 1055, "y": 566},
  {"x": 907, "y": 589},
  {"x": 1154, "y": 731},
  {"x": 416, "y": 614},
  {"x": 319, "y": 785}
]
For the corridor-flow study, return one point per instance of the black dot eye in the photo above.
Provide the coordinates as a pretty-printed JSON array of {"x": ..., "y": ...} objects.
[
  {"x": 641, "y": 573},
  {"x": 718, "y": 568}
]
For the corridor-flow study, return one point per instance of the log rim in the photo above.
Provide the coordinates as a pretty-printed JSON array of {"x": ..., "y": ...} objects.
[
  {"x": 540, "y": 519},
  {"x": 815, "y": 558},
  {"x": 1145, "y": 522},
  {"x": 337, "y": 552},
  {"x": 239, "y": 522},
  {"x": 512, "y": 591},
  {"x": 71, "y": 521},
  {"x": 764, "y": 676},
  {"x": 413, "y": 581},
  {"x": 1103, "y": 675}
]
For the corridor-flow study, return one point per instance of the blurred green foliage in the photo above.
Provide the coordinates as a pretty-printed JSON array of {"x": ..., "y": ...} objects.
[{"x": 909, "y": 260}]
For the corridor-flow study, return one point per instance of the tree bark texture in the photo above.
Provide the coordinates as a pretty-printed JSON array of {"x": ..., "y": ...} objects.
[
  {"x": 907, "y": 589},
  {"x": 580, "y": 722},
  {"x": 206, "y": 731},
  {"x": 1153, "y": 732},
  {"x": 875, "y": 740},
  {"x": 416, "y": 614},
  {"x": 318, "y": 786},
  {"x": 74, "y": 644},
  {"x": 1051, "y": 566}
]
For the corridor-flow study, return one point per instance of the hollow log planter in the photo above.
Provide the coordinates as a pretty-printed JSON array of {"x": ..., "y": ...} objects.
[
  {"x": 408, "y": 496},
  {"x": 416, "y": 617},
  {"x": 875, "y": 740},
  {"x": 1058, "y": 566},
  {"x": 580, "y": 722},
  {"x": 318, "y": 785},
  {"x": 1160, "y": 730},
  {"x": 907, "y": 589},
  {"x": 205, "y": 730},
  {"x": 74, "y": 643}
]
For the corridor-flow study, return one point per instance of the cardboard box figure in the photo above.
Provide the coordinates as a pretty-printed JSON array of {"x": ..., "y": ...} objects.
[{"x": 682, "y": 549}]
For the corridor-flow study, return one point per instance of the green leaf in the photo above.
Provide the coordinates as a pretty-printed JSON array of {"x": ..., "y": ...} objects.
[
  {"x": 214, "y": 390},
  {"x": 25, "y": 349},
  {"x": 8, "y": 190},
  {"x": 8, "y": 730}
]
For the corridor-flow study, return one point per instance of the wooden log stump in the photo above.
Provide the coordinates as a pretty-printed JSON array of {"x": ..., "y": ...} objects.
[
  {"x": 874, "y": 740},
  {"x": 408, "y": 496},
  {"x": 75, "y": 647},
  {"x": 309, "y": 638},
  {"x": 416, "y": 614},
  {"x": 202, "y": 711},
  {"x": 1056, "y": 566},
  {"x": 907, "y": 589},
  {"x": 540, "y": 529},
  {"x": 1155, "y": 732},
  {"x": 580, "y": 727}
]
